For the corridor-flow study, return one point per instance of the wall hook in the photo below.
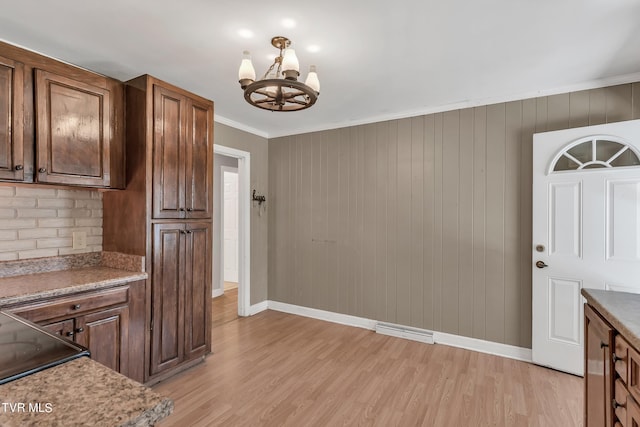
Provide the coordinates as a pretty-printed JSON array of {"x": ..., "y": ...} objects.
[{"x": 258, "y": 198}]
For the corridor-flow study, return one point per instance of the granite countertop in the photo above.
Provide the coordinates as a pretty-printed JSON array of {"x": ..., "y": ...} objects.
[
  {"x": 80, "y": 393},
  {"x": 38, "y": 278},
  {"x": 30, "y": 287},
  {"x": 620, "y": 309}
]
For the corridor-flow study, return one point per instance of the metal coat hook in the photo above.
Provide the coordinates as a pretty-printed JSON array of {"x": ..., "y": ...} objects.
[{"x": 258, "y": 198}]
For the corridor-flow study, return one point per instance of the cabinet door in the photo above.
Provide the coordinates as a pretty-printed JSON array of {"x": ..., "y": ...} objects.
[
  {"x": 597, "y": 375},
  {"x": 199, "y": 160},
  {"x": 633, "y": 371},
  {"x": 106, "y": 335},
  {"x": 169, "y": 119},
  {"x": 73, "y": 131},
  {"x": 633, "y": 414},
  {"x": 198, "y": 290},
  {"x": 12, "y": 161},
  {"x": 167, "y": 293},
  {"x": 63, "y": 328}
]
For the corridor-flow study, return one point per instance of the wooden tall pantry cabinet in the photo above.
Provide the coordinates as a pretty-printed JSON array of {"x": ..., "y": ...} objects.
[{"x": 165, "y": 214}]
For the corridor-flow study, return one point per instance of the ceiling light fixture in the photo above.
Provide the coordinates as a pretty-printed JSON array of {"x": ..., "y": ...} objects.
[{"x": 273, "y": 92}]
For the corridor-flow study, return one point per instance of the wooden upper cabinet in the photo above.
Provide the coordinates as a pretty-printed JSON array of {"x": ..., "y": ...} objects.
[
  {"x": 199, "y": 160},
  {"x": 73, "y": 134},
  {"x": 12, "y": 156},
  {"x": 182, "y": 159},
  {"x": 169, "y": 118},
  {"x": 59, "y": 124}
]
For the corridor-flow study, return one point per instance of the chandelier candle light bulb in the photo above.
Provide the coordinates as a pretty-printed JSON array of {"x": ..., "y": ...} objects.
[
  {"x": 312, "y": 79},
  {"x": 246, "y": 73},
  {"x": 272, "y": 91},
  {"x": 290, "y": 65}
]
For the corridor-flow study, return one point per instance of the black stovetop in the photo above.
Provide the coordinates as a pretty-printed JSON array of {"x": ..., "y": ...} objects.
[{"x": 25, "y": 348}]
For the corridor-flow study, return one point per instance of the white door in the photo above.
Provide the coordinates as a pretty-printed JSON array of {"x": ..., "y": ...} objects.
[
  {"x": 230, "y": 225},
  {"x": 586, "y": 231}
]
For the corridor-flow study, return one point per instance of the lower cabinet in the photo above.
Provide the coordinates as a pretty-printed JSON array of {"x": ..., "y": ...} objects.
[
  {"x": 597, "y": 374},
  {"x": 181, "y": 294},
  {"x": 99, "y": 321},
  {"x": 105, "y": 333},
  {"x": 612, "y": 375}
]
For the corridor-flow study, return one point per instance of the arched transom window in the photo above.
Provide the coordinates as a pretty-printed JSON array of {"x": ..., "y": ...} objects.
[{"x": 596, "y": 152}]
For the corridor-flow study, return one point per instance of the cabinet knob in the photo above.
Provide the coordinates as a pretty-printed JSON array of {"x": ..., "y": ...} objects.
[
  {"x": 603, "y": 344},
  {"x": 42, "y": 170},
  {"x": 188, "y": 231},
  {"x": 70, "y": 334},
  {"x": 189, "y": 209},
  {"x": 181, "y": 209},
  {"x": 616, "y": 405},
  {"x": 75, "y": 307},
  {"x": 616, "y": 358},
  {"x": 78, "y": 330},
  {"x": 19, "y": 167}
]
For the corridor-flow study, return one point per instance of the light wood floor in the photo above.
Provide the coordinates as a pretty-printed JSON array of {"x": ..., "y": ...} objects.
[
  {"x": 230, "y": 285},
  {"x": 276, "y": 369},
  {"x": 225, "y": 307}
]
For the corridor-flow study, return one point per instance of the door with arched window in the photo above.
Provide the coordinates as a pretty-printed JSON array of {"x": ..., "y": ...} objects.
[{"x": 586, "y": 231}]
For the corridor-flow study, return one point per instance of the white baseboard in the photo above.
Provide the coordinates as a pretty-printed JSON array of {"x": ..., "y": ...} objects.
[
  {"x": 474, "y": 344},
  {"x": 489, "y": 347},
  {"x": 259, "y": 307},
  {"x": 329, "y": 316},
  {"x": 217, "y": 293}
]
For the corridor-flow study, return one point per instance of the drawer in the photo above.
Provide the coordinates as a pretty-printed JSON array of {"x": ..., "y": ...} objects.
[
  {"x": 621, "y": 357},
  {"x": 620, "y": 396},
  {"x": 73, "y": 305}
]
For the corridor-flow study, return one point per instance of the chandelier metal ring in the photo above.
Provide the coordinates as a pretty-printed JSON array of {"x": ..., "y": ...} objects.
[{"x": 280, "y": 95}]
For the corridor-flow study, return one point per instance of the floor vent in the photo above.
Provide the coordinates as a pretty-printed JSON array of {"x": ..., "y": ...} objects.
[{"x": 406, "y": 332}]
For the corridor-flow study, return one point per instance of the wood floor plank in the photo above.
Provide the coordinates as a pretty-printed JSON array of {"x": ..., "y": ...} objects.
[{"x": 277, "y": 369}]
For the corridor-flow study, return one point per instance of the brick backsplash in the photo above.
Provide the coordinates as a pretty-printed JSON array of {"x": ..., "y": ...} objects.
[{"x": 39, "y": 222}]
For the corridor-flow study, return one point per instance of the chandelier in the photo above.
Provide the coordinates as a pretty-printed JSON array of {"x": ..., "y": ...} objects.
[{"x": 272, "y": 91}]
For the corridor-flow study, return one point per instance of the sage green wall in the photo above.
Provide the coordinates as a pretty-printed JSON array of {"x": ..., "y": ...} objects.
[
  {"x": 259, "y": 149},
  {"x": 424, "y": 221}
]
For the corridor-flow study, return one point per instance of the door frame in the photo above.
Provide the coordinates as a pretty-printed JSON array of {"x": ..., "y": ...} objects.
[
  {"x": 244, "y": 226},
  {"x": 224, "y": 169}
]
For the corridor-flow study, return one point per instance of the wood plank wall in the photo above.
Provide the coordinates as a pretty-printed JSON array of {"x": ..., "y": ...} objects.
[{"x": 424, "y": 221}]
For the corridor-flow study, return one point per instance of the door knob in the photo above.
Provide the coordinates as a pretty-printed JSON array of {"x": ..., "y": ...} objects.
[{"x": 541, "y": 264}]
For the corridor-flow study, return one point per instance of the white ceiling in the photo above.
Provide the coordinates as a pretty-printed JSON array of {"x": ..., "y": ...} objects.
[{"x": 376, "y": 60}]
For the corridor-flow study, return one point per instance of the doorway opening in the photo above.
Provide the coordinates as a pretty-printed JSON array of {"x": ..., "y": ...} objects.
[
  {"x": 231, "y": 228},
  {"x": 229, "y": 222}
]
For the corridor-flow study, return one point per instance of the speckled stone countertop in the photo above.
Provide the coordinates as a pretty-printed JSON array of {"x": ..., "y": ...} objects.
[
  {"x": 31, "y": 287},
  {"x": 620, "y": 309},
  {"x": 81, "y": 393},
  {"x": 30, "y": 280}
]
